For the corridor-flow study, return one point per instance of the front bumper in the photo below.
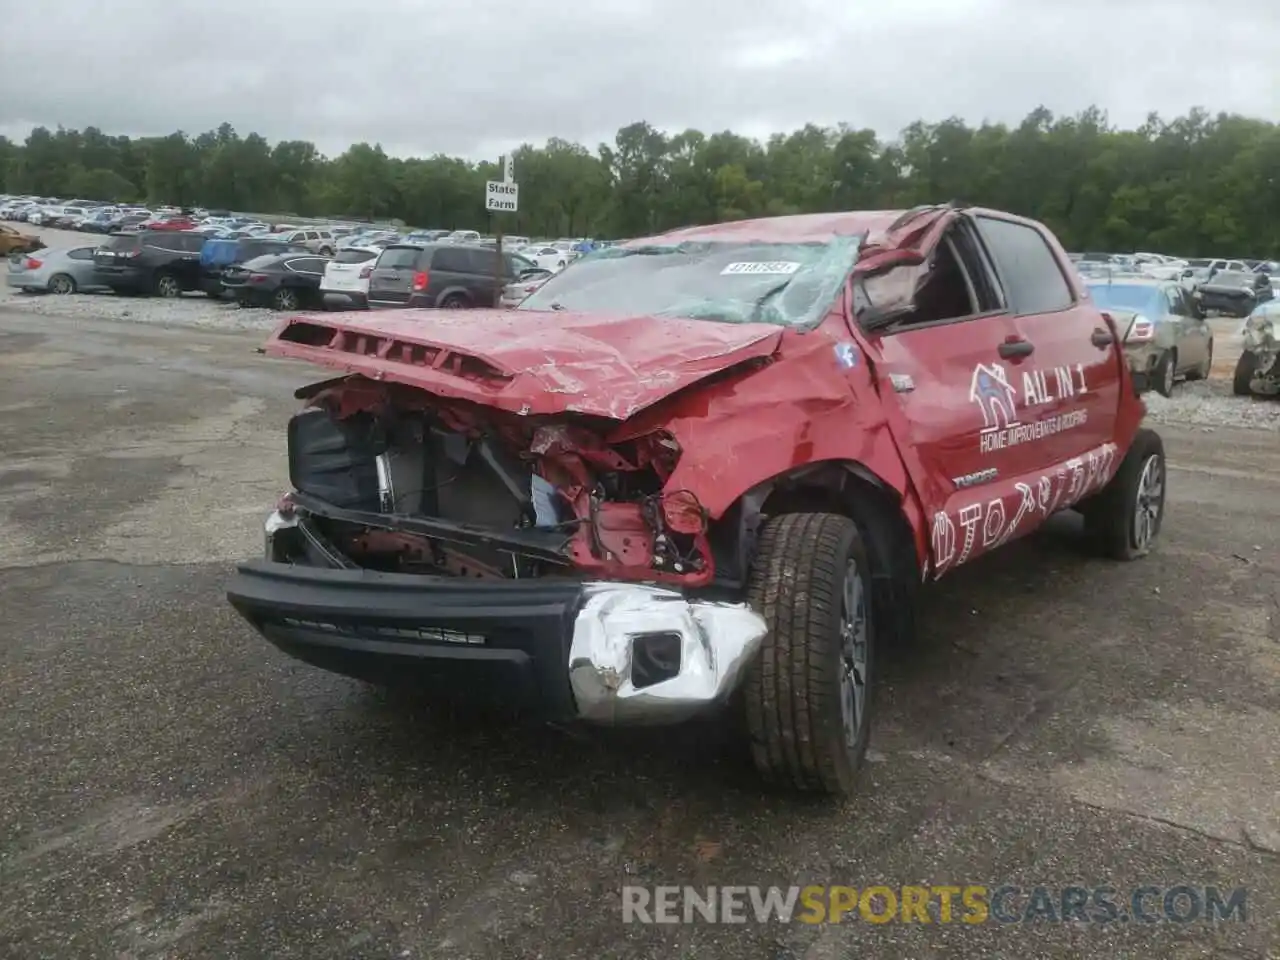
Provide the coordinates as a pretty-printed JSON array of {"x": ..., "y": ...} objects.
[{"x": 603, "y": 652}]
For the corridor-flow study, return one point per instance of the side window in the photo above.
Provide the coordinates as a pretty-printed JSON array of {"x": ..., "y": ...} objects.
[
  {"x": 1033, "y": 280},
  {"x": 193, "y": 242},
  {"x": 313, "y": 234},
  {"x": 313, "y": 265},
  {"x": 81, "y": 253},
  {"x": 451, "y": 260},
  {"x": 483, "y": 262},
  {"x": 1177, "y": 304}
]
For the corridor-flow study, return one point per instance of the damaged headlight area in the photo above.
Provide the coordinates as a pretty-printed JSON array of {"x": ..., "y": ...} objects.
[
  {"x": 395, "y": 480},
  {"x": 645, "y": 654}
]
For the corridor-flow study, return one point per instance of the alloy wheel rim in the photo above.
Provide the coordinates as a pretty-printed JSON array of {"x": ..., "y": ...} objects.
[
  {"x": 287, "y": 301},
  {"x": 168, "y": 287},
  {"x": 61, "y": 285},
  {"x": 1149, "y": 500},
  {"x": 853, "y": 655},
  {"x": 1168, "y": 376}
]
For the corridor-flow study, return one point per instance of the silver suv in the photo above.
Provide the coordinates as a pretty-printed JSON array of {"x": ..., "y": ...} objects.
[{"x": 318, "y": 241}]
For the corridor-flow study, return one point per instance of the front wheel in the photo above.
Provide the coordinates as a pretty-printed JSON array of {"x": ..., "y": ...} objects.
[
  {"x": 1166, "y": 370},
  {"x": 1246, "y": 370},
  {"x": 1124, "y": 519},
  {"x": 807, "y": 694},
  {"x": 1202, "y": 372}
]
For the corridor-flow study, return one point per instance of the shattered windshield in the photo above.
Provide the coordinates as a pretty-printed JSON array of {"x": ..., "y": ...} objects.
[{"x": 789, "y": 284}]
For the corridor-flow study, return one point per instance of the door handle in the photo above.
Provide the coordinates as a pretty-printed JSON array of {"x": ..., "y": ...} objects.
[
  {"x": 1101, "y": 337},
  {"x": 1016, "y": 348}
]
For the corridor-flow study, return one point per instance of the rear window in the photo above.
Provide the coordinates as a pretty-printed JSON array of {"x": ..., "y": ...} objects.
[
  {"x": 1127, "y": 296},
  {"x": 130, "y": 242},
  {"x": 264, "y": 262},
  {"x": 354, "y": 256},
  {"x": 399, "y": 257}
]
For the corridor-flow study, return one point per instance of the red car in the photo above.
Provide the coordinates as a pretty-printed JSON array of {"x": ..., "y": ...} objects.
[
  {"x": 704, "y": 470},
  {"x": 170, "y": 223}
]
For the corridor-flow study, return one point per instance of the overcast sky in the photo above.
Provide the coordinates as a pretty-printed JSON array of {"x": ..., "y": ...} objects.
[{"x": 472, "y": 77}]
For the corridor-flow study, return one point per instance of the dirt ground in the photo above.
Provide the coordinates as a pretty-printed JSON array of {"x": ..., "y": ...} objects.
[{"x": 175, "y": 787}]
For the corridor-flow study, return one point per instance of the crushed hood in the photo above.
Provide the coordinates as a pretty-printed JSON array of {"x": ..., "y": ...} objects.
[{"x": 527, "y": 362}]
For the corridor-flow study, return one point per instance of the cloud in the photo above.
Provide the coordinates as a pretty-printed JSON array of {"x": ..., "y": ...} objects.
[{"x": 471, "y": 79}]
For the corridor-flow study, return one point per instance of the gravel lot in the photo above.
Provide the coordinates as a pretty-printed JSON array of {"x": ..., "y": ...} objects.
[{"x": 175, "y": 787}]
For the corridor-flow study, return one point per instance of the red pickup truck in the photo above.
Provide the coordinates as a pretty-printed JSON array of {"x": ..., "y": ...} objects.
[{"x": 704, "y": 470}]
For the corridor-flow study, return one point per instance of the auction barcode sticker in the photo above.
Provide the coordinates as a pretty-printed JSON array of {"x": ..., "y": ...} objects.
[{"x": 779, "y": 268}]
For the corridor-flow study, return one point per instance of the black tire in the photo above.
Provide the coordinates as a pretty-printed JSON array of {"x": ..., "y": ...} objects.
[
  {"x": 286, "y": 298},
  {"x": 454, "y": 301},
  {"x": 1163, "y": 375},
  {"x": 1202, "y": 372},
  {"x": 166, "y": 285},
  {"x": 1246, "y": 369},
  {"x": 1111, "y": 516},
  {"x": 793, "y": 694},
  {"x": 62, "y": 284},
  {"x": 326, "y": 252}
]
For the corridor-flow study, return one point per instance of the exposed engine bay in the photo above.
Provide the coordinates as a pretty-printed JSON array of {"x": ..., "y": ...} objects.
[{"x": 390, "y": 478}]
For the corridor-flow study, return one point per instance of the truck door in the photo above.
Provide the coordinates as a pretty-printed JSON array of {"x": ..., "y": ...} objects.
[
  {"x": 947, "y": 369},
  {"x": 1068, "y": 386}
]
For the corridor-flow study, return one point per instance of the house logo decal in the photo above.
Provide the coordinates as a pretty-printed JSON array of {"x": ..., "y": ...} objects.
[{"x": 995, "y": 397}]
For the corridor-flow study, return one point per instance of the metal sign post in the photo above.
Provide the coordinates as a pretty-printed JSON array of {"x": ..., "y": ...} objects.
[{"x": 501, "y": 196}]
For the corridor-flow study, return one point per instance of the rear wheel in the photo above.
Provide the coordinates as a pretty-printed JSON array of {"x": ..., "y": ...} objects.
[
  {"x": 284, "y": 299},
  {"x": 454, "y": 301},
  {"x": 167, "y": 286},
  {"x": 1125, "y": 517},
  {"x": 807, "y": 695},
  {"x": 1246, "y": 370},
  {"x": 61, "y": 284}
]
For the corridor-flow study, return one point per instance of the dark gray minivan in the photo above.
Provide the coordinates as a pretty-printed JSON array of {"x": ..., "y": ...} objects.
[{"x": 448, "y": 275}]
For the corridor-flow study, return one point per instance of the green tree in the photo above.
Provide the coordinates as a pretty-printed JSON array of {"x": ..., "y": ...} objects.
[{"x": 1192, "y": 185}]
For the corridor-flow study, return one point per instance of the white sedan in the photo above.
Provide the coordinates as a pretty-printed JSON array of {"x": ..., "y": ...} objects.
[{"x": 547, "y": 257}]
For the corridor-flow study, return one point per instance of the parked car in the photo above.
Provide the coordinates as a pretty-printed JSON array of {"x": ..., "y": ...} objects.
[
  {"x": 1165, "y": 335},
  {"x": 99, "y": 221},
  {"x": 547, "y": 257},
  {"x": 14, "y": 241},
  {"x": 69, "y": 270},
  {"x": 1234, "y": 293},
  {"x": 514, "y": 293},
  {"x": 1257, "y": 371},
  {"x": 448, "y": 275},
  {"x": 346, "y": 276},
  {"x": 281, "y": 281},
  {"x": 160, "y": 262},
  {"x": 218, "y": 254},
  {"x": 463, "y": 236},
  {"x": 666, "y": 485},
  {"x": 166, "y": 222},
  {"x": 317, "y": 241}
]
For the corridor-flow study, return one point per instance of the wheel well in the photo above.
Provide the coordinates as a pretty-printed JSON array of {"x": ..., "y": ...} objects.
[{"x": 847, "y": 489}]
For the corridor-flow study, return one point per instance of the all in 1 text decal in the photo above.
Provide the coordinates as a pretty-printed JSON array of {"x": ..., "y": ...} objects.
[{"x": 999, "y": 401}]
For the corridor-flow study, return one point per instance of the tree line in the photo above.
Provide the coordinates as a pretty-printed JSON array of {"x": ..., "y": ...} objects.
[{"x": 1194, "y": 185}]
